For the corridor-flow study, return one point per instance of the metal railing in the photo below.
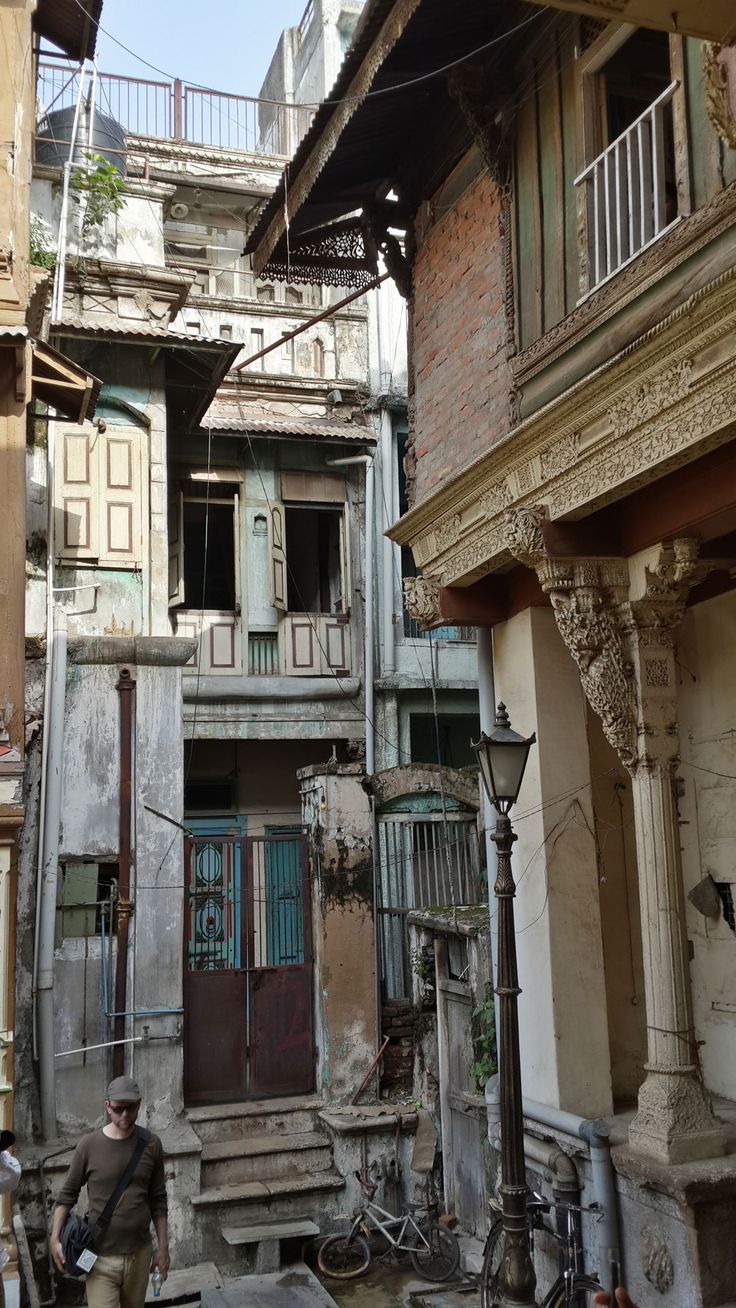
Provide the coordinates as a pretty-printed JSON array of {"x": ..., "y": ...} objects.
[
  {"x": 179, "y": 112},
  {"x": 627, "y": 201},
  {"x": 424, "y": 861},
  {"x": 263, "y": 654},
  {"x": 457, "y": 635}
]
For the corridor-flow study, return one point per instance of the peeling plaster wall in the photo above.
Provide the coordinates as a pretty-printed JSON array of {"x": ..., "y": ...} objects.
[
  {"x": 336, "y": 811},
  {"x": 707, "y": 706}
]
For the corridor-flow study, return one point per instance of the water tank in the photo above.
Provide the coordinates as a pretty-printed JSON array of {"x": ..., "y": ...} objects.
[{"x": 54, "y": 132}]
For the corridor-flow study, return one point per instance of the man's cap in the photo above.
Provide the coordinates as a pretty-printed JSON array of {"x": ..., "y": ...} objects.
[{"x": 123, "y": 1090}]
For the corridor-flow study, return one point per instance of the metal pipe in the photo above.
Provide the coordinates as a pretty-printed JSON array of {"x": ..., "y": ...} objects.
[
  {"x": 50, "y": 454},
  {"x": 104, "y": 1044},
  {"x": 369, "y": 1073},
  {"x": 387, "y": 480},
  {"x": 58, "y": 292},
  {"x": 54, "y": 725},
  {"x": 318, "y": 317},
  {"x": 487, "y": 714},
  {"x": 125, "y": 688},
  {"x": 147, "y": 1012},
  {"x": 596, "y": 1135}
]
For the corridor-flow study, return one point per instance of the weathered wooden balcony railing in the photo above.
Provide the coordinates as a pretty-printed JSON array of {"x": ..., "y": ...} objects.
[
  {"x": 627, "y": 202},
  {"x": 178, "y": 112}
]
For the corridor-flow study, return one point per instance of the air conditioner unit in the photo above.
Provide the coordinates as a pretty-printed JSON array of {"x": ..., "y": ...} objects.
[{"x": 179, "y": 211}]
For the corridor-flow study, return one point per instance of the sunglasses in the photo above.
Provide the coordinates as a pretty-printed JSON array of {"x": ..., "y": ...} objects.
[{"x": 119, "y": 1109}]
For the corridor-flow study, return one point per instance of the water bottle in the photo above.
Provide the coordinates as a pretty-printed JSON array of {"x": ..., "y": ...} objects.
[{"x": 156, "y": 1282}]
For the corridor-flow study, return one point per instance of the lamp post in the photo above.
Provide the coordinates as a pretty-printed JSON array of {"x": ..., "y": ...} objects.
[{"x": 502, "y": 757}]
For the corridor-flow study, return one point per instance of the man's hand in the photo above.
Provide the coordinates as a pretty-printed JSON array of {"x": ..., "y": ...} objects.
[
  {"x": 57, "y": 1253},
  {"x": 161, "y": 1260},
  {"x": 622, "y": 1299}
]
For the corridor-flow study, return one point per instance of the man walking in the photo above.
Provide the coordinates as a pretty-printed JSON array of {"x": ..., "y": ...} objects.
[{"x": 119, "y": 1278}]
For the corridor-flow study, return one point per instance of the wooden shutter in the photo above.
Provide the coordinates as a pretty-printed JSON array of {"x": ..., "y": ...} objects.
[
  {"x": 302, "y": 652},
  {"x": 346, "y": 592},
  {"x": 120, "y": 497},
  {"x": 176, "y": 549},
  {"x": 76, "y": 494},
  {"x": 278, "y": 558}
]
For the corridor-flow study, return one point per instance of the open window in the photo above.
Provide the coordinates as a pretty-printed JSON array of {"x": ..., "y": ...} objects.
[
  {"x": 203, "y": 546},
  {"x": 628, "y": 187},
  {"x": 310, "y": 568}
]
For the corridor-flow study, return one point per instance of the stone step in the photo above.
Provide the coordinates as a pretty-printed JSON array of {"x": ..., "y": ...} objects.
[
  {"x": 266, "y": 1192},
  {"x": 267, "y": 1236},
  {"x": 186, "y": 1284},
  {"x": 302, "y": 1227},
  {"x": 220, "y": 1122},
  {"x": 228, "y": 1162}
]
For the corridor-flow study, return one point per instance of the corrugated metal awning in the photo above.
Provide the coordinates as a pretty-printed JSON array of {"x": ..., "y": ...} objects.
[
  {"x": 297, "y": 426},
  {"x": 69, "y": 24}
]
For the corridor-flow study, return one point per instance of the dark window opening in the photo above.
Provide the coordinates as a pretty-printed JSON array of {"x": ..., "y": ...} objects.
[
  {"x": 634, "y": 77},
  {"x": 216, "y": 588},
  {"x": 315, "y": 573},
  {"x": 725, "y": 890},
  {"x": 208, "y": 796},
  {"x": 86, "y": 900},
  {"x": 455, "y": 731}
]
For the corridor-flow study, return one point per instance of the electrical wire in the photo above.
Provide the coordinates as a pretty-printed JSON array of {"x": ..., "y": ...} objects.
[{"x": 348, "y": 99}]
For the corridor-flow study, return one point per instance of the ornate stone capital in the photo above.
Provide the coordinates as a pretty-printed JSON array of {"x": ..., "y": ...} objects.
[
  {"x": 522, "y": 533},
  {"x": 422, "y": 600}
]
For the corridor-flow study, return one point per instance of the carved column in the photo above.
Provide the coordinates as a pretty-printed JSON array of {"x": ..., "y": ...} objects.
[{"x": 619, "y": 624}]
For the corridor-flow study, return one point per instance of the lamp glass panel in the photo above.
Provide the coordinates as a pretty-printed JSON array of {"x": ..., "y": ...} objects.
[{"x": 507, "y": 767}]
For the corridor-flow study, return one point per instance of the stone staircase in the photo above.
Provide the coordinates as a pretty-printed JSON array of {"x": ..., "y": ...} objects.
[{"x": 266, "y": 1177}]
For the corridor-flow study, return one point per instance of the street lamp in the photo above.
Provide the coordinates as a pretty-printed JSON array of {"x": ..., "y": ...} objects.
[{"x": 502, "y": 757}]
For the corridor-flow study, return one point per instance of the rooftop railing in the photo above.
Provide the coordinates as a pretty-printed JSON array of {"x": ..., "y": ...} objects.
[
  {"x": 178, "y": 112},
  {"x": 628, "y": 201}
]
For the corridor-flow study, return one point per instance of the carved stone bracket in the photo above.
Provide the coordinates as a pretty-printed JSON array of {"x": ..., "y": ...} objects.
[{"x": 422, "y": 600}]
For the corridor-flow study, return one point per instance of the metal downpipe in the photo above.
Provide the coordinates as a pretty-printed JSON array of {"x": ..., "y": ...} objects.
[{"x": 49, "y": 877}]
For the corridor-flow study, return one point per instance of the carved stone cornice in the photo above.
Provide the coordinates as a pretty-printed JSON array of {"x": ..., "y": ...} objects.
[
  {"x": 422, "y": 600},
  {"x": 664, "y": 401}
]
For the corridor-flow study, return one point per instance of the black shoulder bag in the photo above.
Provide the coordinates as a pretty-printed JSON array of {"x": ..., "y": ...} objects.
[{"x": 77, "y": 1234}]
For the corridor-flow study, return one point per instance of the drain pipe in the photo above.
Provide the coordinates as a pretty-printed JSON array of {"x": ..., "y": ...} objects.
[
  {"x": 387, "y": 483},
  {"x": 596, "y": 1135},
  {"x": 368, "y": 600},
  {"x": 54, "y": 725},
  {"x": 125, "y": 688}
]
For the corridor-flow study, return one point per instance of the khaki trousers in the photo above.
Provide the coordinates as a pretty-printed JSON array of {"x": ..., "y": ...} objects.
[{"x": 119, "y": 1280}]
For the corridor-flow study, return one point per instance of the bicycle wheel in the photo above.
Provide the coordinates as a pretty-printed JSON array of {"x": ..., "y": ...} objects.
[
  {"x": 491, "y": 1264},
  {"x": 439, "y": 1257},
  {"x": 579, "y": 1293},
  {"x": 343, "y": 1256}
]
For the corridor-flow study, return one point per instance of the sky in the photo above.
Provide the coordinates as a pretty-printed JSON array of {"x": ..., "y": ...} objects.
[{"x": 226, "y": 45}]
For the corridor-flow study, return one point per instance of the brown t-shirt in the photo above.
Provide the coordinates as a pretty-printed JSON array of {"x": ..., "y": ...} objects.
[{"x": 99, "y": 1163}]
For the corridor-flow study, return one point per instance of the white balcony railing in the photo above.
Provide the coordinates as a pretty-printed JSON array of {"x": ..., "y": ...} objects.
[{"x": 626, "y": 196}]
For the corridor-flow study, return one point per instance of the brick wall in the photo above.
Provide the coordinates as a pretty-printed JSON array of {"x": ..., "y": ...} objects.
[
  {"x": 397, "y": 1022},
  {"x": 462, "y": 380}
]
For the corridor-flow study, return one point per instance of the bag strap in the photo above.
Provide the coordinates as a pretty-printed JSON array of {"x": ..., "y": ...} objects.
[{"x": 142, "y": 1140}]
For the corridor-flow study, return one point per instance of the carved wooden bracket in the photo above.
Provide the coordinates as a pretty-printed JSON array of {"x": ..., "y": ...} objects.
[
  {"x": 486, "y": 105},
  {"x": 719, "y": 67},
  {"x": 378, "y": 239}
]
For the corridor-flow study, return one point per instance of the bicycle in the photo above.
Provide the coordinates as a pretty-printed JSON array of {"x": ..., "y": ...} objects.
[
  {"x": 433, "y": 1249},
  {"x": 572, "y": 1288}
]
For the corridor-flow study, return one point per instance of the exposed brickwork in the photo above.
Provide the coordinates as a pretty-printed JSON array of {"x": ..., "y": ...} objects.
[
  {"x": 462, "y": 380},
  {"x": 397, "y": 1022}
]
